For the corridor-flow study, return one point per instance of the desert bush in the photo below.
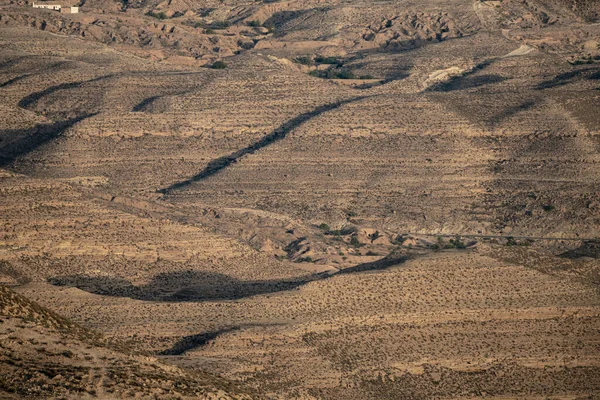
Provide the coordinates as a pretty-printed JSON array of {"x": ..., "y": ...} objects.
[
  {"x": 456, "y": 243},
  {"x": 333, "y": 74},
  {"x": 220, "y": 25},
  {"x": 254, "y": 23},
  {"x": 304, "y": 60},
  {"x": 354, "y": 241},
  {"x": 399, "y": 240},
  {"x": 218, "y": 65},
  {"x": 160, "y": 15},
  {"x": 324, "y": 227},
  {"x": 327, "y": 60}
]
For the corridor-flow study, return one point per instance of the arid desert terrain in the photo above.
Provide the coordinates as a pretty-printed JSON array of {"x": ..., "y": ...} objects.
[{"x": 300, "y": 199}]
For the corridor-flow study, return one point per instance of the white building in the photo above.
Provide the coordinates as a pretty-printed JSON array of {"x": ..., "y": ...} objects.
[{"x": 55, "y": 7}]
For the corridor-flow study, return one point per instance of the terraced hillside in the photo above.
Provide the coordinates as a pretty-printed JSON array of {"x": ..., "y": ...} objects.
[{"x": 362, "y": 200}]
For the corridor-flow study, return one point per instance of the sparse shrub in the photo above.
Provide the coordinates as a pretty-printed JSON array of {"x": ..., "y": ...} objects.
[
  {"x": 371, "y": 253},
  {"x": 548, "y": 207},
  {"x": 304, "y": 259},
  {"x": 399, "y": 240},
  {"x": 253, "y": 23},
  {"x": 220, "y": 25},
  {"x": 219, "y": 65},
  {"x": 457, "y": 243},
  {"x": 333, "y": 73},
  {"x": 367, "y": 77},
  {"x": 304, "y": 60},
  {"x": 327, "y": 60},
  {"x": 355, "y": 242},
  {"x": 510, "y": 241},
  {"x": 209, "y": 31},
  {"x": 324, "y": 227},
  {"x": 159, "y": 15}
]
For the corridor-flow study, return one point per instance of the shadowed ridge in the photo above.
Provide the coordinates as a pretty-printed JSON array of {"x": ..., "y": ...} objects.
[
  {"x": 280, "y": 133},
  {"x": 182, "y": 286},
  {"x": 13, "y": 80},
  {"x": 34, "y": 138},
  {"x": 192, "y": 342},
  {"x": 196, "y": 286},
  {"x": 34, "y": 97},
  {"x": 143, "y": 105},
  {"x": 466, "y": 79},
  {"x": 392, "y": 259},
  {"x": 591, "y": 73}
]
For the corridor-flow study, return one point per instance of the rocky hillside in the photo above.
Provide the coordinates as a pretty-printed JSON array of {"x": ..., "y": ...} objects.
[
  {"x": 45, "y": 355},
  {"x": 310, "y": 199}
]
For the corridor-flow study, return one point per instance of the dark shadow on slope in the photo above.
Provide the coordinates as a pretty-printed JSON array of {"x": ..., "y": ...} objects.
[
  {"x": 565, "y": 78},
  {"x": 142, "y": 105},
  {"x": 19, "y": 142},
  {"x": 13, "y": 80},
  {"x": 389, "y": 261},
  {"x": 11, "y": 62},
  {"x": 280, "y": 18},
  {"x": 459, "y": 80},
  {"x": 468, "y": 82},
  {"x": 280, "y": 133},
  {"x": 509, "y": 112},
  {"x": 192, "y": 342},
  {"x": 195, "y": 286},
  {"x": 182, "y": 286},
  {"x": 589, "y": 249},
  {"x": 32, "y": 98},
  {"x": 146, "y": 104}
]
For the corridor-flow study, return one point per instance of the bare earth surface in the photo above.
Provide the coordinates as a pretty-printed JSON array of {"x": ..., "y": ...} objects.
[{"x": 372, "y": 200}]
